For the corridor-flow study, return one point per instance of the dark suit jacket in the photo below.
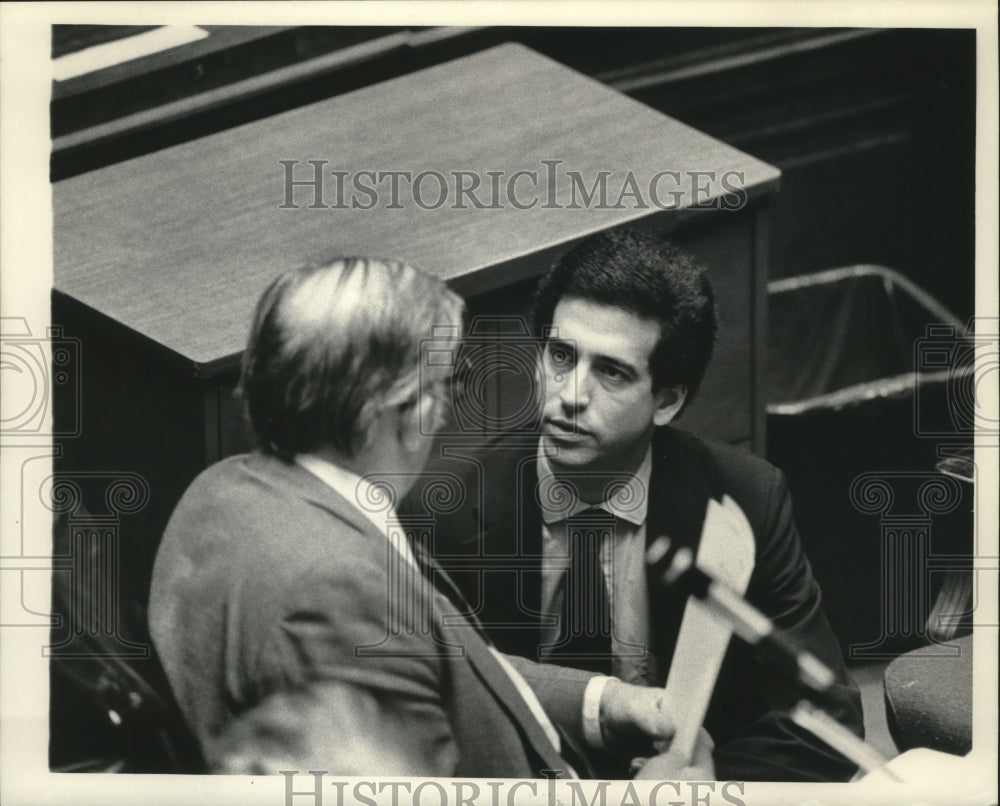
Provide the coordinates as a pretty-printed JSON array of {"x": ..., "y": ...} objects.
[
  {"x": 267, "y": 580},
  {"x": 495, "y": 536}
]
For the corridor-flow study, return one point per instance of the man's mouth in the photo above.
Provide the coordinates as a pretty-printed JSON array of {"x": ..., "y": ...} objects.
[{"x": 561, "y": 429}]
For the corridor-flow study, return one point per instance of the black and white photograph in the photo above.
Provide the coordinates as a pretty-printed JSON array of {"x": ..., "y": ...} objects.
[{"x": 499, "y": 403}]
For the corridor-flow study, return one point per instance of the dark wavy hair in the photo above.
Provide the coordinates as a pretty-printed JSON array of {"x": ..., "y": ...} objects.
[
  {"x": 650, "y": 278},
  {"x": 331, "y": 344}
]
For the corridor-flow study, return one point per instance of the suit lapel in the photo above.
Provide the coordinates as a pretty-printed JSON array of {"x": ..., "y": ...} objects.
[
  {"x": 496, "y": 679},
  {"x": 478, "y": 651}
]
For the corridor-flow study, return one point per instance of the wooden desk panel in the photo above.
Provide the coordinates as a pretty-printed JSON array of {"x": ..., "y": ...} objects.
[{"x": 178, "y": 244}]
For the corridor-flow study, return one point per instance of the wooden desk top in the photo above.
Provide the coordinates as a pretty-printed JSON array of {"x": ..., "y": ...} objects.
[{"x": 177, "y": 245}]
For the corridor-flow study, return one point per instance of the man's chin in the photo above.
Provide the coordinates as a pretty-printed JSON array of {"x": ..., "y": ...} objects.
[{"x": 567, "y": 454}]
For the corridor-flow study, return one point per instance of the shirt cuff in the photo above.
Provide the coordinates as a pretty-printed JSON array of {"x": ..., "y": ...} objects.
[{"x": 592, "y": 710}]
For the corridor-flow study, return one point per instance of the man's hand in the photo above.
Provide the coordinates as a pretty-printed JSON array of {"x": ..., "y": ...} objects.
[
  {"x": 634, "y": 716},
  {"x": 671, "y": 766}
]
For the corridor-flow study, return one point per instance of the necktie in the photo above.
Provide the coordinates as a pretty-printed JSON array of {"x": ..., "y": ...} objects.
[{"x": 585, "y": 627}]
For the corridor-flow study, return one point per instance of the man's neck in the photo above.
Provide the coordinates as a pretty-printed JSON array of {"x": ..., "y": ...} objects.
[
  {"x": 591, "y": 482},
  {"x": 380, "y": 456}
]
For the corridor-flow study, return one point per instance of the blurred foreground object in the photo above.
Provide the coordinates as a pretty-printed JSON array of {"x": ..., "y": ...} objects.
[
  {"x": 928, "y": 700},
  {"x": 292, "y": 730}
]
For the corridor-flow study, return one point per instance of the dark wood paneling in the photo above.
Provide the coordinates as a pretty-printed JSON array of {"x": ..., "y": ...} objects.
[
  {"x": 228, "y": 54},
  {"x": 724, "y": 406},
  {"x": 235, "y": 434},
  {"x": 74, "y": 38},
  {"x": 137, "y": 412},
  {"x": 874, "y": 131},
  {"x": 209, "y": 93}
]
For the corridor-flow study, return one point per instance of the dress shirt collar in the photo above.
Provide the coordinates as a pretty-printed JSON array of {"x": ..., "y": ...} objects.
[
  {"x": 628, "y": 501},
  {"x": 355, "y": 489}
]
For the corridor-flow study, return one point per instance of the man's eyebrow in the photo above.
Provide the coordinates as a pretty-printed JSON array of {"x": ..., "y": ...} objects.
[
  {"x": 617, "y": 363},
  {"x": 558, "y": 342},
  {"x": 599, "y": 358}
]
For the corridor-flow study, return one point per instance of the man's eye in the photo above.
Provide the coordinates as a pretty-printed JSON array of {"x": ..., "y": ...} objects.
[
  {"x": 614, "y": 374},
  {"x": 559, "y": 355}
]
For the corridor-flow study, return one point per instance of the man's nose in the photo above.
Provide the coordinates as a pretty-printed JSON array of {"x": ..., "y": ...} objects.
[{"x": 574, "y": 394}]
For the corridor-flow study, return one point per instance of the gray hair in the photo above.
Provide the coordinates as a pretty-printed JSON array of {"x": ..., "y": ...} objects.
[{"x": 332, "y": 344}]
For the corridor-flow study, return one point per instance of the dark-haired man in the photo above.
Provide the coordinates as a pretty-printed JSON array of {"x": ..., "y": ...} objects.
[
  {"x": 628, "y": 326},
  {"x": 295, "y": 621}
]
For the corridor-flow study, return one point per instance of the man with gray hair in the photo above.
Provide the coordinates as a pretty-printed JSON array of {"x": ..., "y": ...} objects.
[{"x": 286, "y": 592}]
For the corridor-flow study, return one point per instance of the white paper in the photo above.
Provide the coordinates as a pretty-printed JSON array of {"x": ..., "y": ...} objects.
[{"x": 727, "y": 553}]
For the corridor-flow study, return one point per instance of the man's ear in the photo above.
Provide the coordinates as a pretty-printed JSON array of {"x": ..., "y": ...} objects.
[
  {"x": 669, "y": 402},
  {"x": 414, "y": 417}
]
